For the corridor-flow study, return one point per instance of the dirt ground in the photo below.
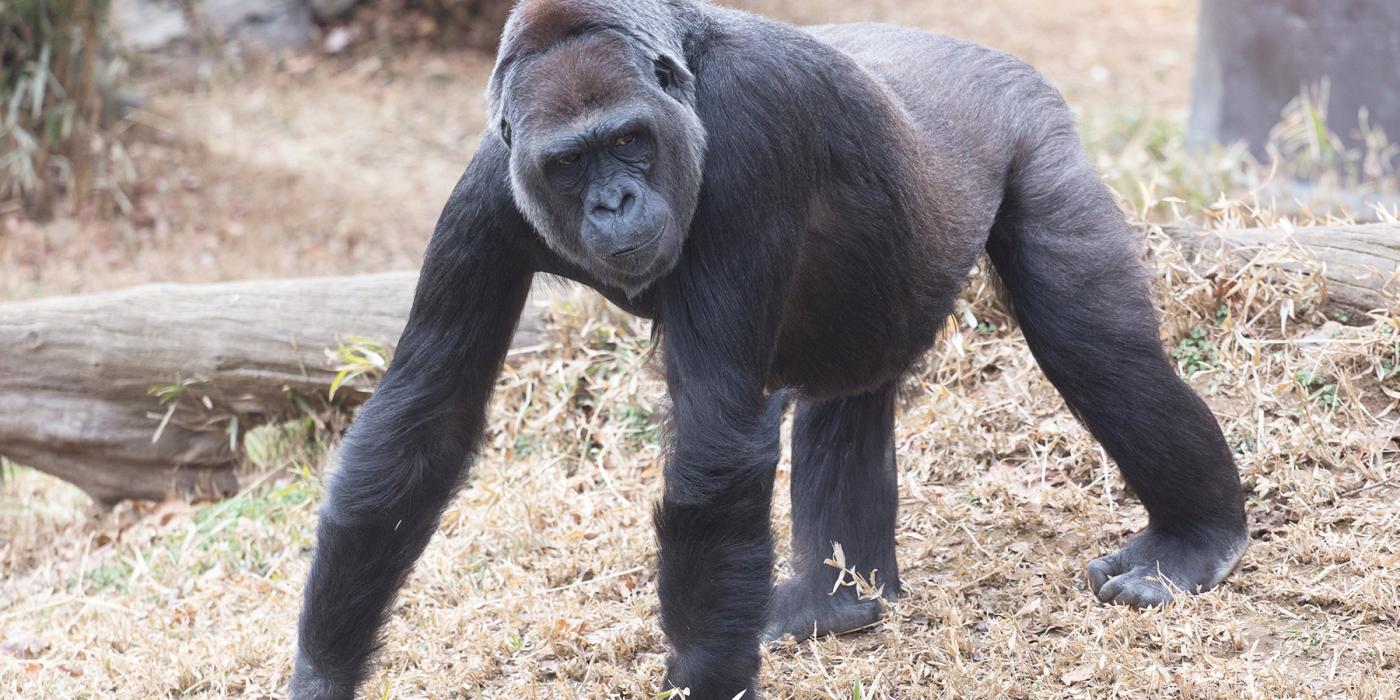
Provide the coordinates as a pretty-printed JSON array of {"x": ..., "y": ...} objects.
[
  {"x": 335, "y": 166},
  {"x": 540, "y": 582}
]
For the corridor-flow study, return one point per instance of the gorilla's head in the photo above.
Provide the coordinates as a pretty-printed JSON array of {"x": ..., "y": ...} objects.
[{"x": 606, "y": 148}]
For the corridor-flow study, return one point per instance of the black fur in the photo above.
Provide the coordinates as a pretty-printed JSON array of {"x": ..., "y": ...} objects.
[
  {"x": 843, "y": 490},
  {"x": 797, "y": 210}
]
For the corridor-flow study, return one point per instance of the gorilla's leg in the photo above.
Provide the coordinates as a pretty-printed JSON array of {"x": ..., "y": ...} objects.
[
  {"x": 843, "y": 491},
  {"x": 1070, "y": 264}
]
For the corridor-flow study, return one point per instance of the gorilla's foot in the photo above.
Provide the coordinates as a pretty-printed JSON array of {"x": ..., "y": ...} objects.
[
  {"x": 310, "y": 684},
  {"x": 1135, "y": 574},
  {"x": 805, "y": 610}
]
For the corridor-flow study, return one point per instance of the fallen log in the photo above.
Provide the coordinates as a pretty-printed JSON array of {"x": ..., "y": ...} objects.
[
  {"x": 145, "y": 392},
  {"x": 1360, "y": 263}
]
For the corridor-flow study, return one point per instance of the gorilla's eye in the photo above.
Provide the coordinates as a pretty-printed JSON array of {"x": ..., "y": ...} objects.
[
  {"x": 567, "y": 159},
  {"x": 664, "y": 75},
  {"x": 625, "y": 139},
  {"x": 505, "y": 132}
]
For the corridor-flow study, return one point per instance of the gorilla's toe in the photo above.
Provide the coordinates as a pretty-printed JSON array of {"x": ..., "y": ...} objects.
[
  {"x": 805, "y": 611},
  {"x": 1154, "y": 566}
]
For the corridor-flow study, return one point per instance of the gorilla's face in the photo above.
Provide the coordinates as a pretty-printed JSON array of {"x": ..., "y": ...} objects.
[{"x": 605, "y": 156}]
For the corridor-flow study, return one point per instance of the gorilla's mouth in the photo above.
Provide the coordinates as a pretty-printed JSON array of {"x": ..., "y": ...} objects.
[{"x": 629, "y": 250}]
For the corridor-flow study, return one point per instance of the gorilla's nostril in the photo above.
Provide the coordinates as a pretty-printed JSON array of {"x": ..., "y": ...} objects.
[{"x": 619, "y": 207}]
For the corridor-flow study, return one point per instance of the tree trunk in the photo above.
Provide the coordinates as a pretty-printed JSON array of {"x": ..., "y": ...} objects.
[
  {"x": 145, "y": 392},
  {"x": 1361, "y": 263},
  {"x": 1253, "y": 57}
]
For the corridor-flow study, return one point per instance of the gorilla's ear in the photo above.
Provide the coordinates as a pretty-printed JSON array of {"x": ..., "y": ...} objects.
[
  {"x": 674, "y": 78},
  {"x": 665, "y": 75},
  {"x": 504, "y": 128}
]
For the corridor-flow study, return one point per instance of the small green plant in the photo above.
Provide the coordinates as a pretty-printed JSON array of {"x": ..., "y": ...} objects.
[
  {"x": 1144, "y": 160},
  {"x": 1313, "y": 638},
  {"x": 1390, "y": 365},
  {"x": 113, "y": 576},
  {"x": 1317, "y": 387},
  {"x": 51, "y": 141},
  {"x": 638, "y": 422},
  {"x": 235, "y": 533},
  {"x": 1308, "y": 150},
  {"x": 1242, "y": 444},
  {"x": 1194, "y": 353},
  {"x": 168, "y": 392},
  {"x": 289, "y": 443},
  {"x": 169, "y": 396},
  {"x": 275, "y": 503},
  {"x": 359, "y": 357}
]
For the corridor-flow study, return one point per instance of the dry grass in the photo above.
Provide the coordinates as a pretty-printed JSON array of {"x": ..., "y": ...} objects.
[
  {"x": 303, "y": 167},
  {"x": 540, "y": 583},
  {"x": 285, "y": 170}
]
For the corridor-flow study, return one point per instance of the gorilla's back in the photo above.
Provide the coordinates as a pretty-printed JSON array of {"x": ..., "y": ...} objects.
[{"x": 967, "y": 102}]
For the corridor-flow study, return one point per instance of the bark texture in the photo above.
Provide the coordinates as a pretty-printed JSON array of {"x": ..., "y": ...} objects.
[
  {"x": 1361, "y": 263},
  {"x": 78, "y": 372},
  {"x": 82, "y": 376}
]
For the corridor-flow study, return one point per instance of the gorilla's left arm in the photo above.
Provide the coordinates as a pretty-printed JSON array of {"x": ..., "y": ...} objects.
[
  {"x": 713, "y": 521},
  {"x": 406, "y": 453},
  {"x": 721, "y": 314}
]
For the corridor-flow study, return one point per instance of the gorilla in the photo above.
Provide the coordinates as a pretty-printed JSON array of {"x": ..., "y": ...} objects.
[{"x": 797, "y": 210}]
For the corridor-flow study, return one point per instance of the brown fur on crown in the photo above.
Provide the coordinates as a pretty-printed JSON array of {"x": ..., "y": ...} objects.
[{"x": 535, "y": 26}]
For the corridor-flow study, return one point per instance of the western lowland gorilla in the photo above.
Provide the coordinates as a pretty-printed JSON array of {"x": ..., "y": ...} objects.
[{"x": 797, "y": 210}]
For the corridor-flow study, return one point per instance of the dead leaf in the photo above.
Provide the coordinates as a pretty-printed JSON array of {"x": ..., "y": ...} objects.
[
  {"x": 1081, "y": 673},
  {"x": 23, "y": 644}
]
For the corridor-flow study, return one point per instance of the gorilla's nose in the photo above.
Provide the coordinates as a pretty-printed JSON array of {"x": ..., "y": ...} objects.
[
  {"x": 618, "y": 220},
  {"x": 617, "y": 205},
  {"x": 613, "y": 205}
]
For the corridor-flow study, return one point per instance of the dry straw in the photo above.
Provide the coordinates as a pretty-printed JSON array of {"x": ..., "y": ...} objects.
[{"x": 540, "y": 582}]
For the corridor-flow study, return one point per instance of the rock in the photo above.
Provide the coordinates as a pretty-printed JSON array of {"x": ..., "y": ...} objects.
[
  {"x": 23, "y": 644},
  {"x": 338, "y": 39},
  {"x": 1320, "y": 338},
  {"x": 1254, "y": 56},
  {"x": 268, "y": 24},
  {"x": 273, "y": 25},
  {"x": 147, "y": 25},
  {"x": 326, "y": 10}
]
